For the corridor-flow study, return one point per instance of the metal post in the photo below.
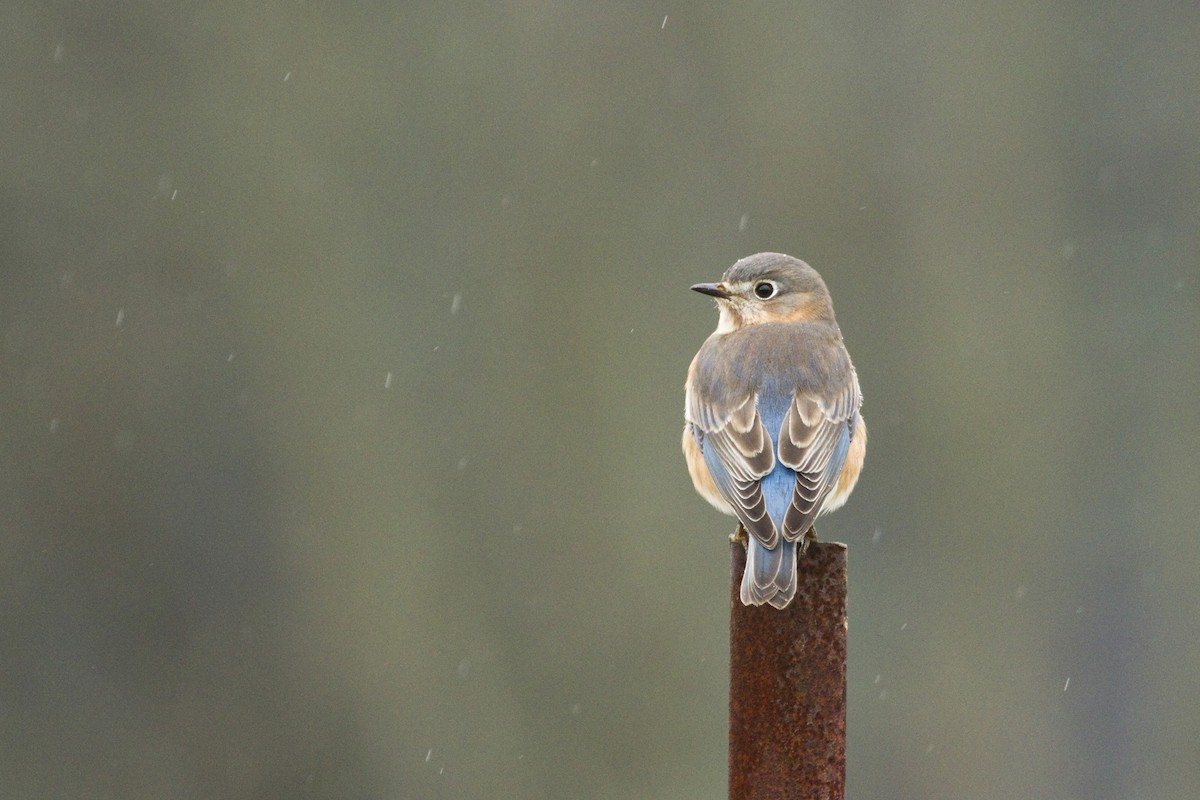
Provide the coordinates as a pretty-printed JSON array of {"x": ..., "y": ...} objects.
[{"x": 787, "y": 685}]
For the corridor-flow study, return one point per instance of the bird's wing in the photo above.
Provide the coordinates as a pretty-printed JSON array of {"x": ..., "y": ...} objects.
[
  {"x": 813, "y": 441},
  {"x": 739, "y": 452}
]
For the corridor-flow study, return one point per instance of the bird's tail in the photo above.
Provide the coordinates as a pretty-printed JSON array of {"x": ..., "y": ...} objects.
[{"x": 770, "y": 575}]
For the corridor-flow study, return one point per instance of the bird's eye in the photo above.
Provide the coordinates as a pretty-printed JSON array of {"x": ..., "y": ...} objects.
[{"x": 764, "y": 290}]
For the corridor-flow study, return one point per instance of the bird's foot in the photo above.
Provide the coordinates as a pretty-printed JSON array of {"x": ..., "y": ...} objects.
[
  {"x": 810, "y": 536},
  {"x": 739, "y": 535}
]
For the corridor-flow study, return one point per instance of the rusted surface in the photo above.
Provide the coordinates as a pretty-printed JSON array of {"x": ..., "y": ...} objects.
[{"x": 787, "y": 685}]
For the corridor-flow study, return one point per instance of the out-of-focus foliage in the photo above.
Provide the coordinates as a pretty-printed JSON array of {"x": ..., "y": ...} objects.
[{"x": 341, "y": 363}]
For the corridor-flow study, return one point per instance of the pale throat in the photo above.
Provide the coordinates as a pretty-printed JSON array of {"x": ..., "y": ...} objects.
[
  {"x": 734, "y": 318},
  {"x": 728, "y": 321}
]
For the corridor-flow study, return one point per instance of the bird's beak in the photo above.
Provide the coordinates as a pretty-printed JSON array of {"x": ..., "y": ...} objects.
[{"x": 716, "y": 290}]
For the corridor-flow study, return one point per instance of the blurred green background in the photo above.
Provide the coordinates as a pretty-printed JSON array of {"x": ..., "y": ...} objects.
[{"x": 341, "y": 363}]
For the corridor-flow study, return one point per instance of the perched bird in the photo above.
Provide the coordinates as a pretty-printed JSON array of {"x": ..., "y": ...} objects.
[{"x": 773, "y": 433}]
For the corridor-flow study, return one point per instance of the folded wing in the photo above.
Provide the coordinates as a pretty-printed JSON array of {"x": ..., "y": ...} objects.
[{"x": 813, "y": 441}]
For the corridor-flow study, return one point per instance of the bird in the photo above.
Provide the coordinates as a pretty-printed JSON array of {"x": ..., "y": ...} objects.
[{"x": 773, "y": 432}]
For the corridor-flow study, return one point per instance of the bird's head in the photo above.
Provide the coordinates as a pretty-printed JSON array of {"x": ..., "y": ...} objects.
[{"x": 768, "y": 287}]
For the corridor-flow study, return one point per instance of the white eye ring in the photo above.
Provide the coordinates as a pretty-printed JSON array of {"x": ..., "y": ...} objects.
[{"x": 764, "y": 290}]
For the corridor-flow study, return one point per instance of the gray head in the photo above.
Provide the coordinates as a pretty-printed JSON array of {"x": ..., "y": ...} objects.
[{"x": 769, "y": 287}]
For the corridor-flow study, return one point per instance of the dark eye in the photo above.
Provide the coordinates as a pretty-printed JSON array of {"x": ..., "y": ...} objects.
[{"x": 764, "y": 290}]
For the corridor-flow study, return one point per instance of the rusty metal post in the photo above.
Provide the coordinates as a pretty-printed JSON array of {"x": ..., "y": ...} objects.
[{"x": 787, "y": 685}]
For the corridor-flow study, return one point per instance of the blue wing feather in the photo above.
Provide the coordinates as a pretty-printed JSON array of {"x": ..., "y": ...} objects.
[
  {"x": 778, "y": 485},
  {"x": 716, "y": 468}
]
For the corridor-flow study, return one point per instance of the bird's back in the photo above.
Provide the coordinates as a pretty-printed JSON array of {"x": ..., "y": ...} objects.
[{"x": 790, "y": 355}]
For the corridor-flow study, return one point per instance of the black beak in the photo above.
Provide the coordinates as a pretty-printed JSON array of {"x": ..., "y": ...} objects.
[{"x": 716, "y": 290}]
